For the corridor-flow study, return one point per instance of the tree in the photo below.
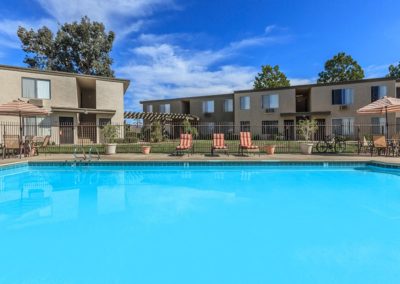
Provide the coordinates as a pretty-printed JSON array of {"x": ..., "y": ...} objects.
[
  {"x": 394, "y": 71},
  {"x": 341, "y": 68},
  {"x": 270, "y": 77},
  {"x": 188, "y": 128},
  {"x": 156, "y": 133},
  {"x": 82, "y": 47}
]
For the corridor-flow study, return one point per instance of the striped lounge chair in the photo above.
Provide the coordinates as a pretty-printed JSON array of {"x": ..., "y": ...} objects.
[
  {"x": 246, "y": 144},
  {"x": 219, "y": 144},
  {"x": 185, "y": 144}
]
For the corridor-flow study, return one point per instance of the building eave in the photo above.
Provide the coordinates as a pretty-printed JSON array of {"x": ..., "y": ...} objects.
[
  {"x": 125, "y": 82},
  {"x": 83, "y": 110}
]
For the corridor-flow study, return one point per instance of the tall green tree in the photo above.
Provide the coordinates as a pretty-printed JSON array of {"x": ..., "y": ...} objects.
[
  {"x": 341, "y": 68},
  {"x": 79, "y": 47},
  {"x": 270, "y": 77},
  {"x": 394, "y": 71}
]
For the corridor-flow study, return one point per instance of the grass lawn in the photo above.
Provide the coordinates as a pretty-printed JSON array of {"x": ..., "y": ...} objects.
[{"x": 200, "y": 146}]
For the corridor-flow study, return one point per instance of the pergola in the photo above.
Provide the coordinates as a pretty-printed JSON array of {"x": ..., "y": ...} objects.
[{"x": 153, "y": 116}]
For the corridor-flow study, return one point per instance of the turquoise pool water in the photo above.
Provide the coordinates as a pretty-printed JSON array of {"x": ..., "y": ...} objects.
[{"x": 199, "y": 224}]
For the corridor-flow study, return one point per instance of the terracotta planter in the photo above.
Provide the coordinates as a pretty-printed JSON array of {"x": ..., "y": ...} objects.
[
  {"x": 146, "y": 150},
  {"x": 270, "y": 149},
  {"x": 306, "y": 148},
  {"x": 111, "y": 149}
]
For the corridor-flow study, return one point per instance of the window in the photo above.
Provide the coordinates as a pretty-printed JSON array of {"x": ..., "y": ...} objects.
[
  {"x": 37, "y": 126},
  {"x": 228, "y": 105},
  {"x": 378, "y": 92},
  {"x": 269, "y": 127},
  {"x": 378, "y": 125},
  {"x": 342, "y": 97},
  {"x": 165, "y": 108},
  {"x": 149, "y": 108},
  {"x": 245, "y": 102},
  {"x": 398, "y": 92},
  {"x": 35, "y": 89},
  {"x": 208, "y": 106},
  {"x": 343, "y": 126},
  {"x": 245, "y": 126},
  {"x": 270, "y": 101}
]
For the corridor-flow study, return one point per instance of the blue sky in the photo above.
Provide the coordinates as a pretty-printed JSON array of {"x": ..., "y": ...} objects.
[{"x": 173, "y": 48}]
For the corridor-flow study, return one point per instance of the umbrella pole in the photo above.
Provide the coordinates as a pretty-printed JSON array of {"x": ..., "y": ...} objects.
[
  {"x": 387, "y": 124},
  {"x": 20, "y": 135}
]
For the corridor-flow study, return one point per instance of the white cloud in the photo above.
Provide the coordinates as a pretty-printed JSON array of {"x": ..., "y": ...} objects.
[
  {"x": 160, "y": 71},
  {"x": 166, "y": 71},
  {"x": 104, "y": 11},
  {"x": 8, "y": 30},
  {"x": 376, "y": 71},
  {"x": 123, "y": 16}
]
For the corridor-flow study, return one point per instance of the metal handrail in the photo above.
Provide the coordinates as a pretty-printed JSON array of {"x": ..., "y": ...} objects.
[
  {"x": 76, "y": 151},
  {"x": 90, "y": 153}
]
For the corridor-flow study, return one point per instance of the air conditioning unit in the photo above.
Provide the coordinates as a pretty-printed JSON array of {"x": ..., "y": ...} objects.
[
  {"x": 343, "y": 107},
  {"x": 36, "y": 102},
  {"x": 270, "y": 110},
  {"x": 207, "y": 114}
]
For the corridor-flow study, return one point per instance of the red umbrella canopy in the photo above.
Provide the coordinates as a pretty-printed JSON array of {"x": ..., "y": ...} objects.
[
  {"x": 386, "y": 104},
  {"x": 22, "y": 108}
]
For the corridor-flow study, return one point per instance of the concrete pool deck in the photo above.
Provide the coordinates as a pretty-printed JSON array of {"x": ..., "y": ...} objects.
[{"x": 202, "y": 157}]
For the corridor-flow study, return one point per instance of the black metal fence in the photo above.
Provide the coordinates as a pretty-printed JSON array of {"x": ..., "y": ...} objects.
[{"x": 163, "y": 138}]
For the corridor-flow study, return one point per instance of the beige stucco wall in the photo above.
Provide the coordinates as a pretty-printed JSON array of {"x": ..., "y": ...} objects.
[
  {"x": 196, "y": 107},
  {"x": 65, "y": 92},
  {"x": 256, "y": 114},
  {"x": 321, "y": 100},
  {"x": 110, "y": 95},
  {"x": 63, "y": 89}
]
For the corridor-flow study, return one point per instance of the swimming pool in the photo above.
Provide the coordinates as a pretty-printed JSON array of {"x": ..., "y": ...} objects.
[{"x": 200, "y": 223}]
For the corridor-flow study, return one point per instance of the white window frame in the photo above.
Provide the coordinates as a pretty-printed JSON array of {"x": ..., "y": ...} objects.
[
  {"x": 347, "y": 96},
  {"x": 381, "y": 125},
  {"x": 37, "y": 128},
  {"x": 228, "y": 105},
  {"x": 268, "y": 104},
  {"x": 35, "y": 88},
  {"x": 245, "y": 106},
  {"x": 347, "y": 125},
  {"x": 165, "y": 108},
  {"x": 149, "y": 108},
  {"x": 380, "y": 88},
  {"x": 208, "y": 106}
]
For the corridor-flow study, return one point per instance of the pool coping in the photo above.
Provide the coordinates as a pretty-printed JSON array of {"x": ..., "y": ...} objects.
[{"x": 188, "y": 163}]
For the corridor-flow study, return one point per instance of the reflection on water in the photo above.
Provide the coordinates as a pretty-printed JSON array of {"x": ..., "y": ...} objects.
[{"x": 49, "y": 196}]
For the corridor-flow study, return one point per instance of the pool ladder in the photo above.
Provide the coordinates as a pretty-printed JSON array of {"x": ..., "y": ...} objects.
[
  {"x": 91, "y": 149},
  {"x": 83, "y": 157}
]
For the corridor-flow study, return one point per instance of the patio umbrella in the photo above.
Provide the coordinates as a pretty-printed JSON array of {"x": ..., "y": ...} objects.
[
  {"x": 382, "y": 106},
  {"x": 22, "y": 109}
]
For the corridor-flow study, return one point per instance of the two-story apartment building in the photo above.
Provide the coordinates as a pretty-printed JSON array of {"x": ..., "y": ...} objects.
[
  {"x": 275, "y": 111},
  {"x": 73, "y": 100}
]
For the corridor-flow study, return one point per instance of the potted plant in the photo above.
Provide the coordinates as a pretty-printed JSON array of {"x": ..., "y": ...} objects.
[
  {"x": 270, "y": 149},
  {"x": 146, "y": 149},
  {"x": 306, "y": 129},
  {"x": 110, "y": 133}
]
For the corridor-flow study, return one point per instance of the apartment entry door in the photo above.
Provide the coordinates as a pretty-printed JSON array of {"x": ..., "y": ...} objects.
[{"x": 66, "y": 130}]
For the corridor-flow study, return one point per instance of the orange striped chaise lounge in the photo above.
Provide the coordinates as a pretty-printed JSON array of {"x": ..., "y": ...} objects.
[
  {"x": 246, "y": 144},
  {"x": 219, "y": 144},
  {"x": 185, "y": 145}
]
